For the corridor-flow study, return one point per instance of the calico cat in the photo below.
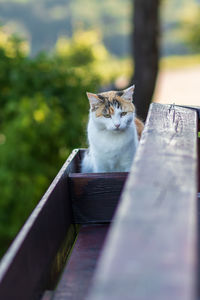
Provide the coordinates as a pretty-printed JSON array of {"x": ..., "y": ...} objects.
[{"x": 113, "y": 132}]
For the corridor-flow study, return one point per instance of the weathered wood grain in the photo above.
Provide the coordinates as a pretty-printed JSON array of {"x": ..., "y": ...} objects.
[
  {"x": 77, "y": 275},
  {"x": 95, "y": 196},
  {"x": 151, "y": 251},
  {"x": 199, "y": 149},
  {"x": 47, "y": 295},
  {"x": 196, "y": 108},
  {"x": 26, "y": 267}
]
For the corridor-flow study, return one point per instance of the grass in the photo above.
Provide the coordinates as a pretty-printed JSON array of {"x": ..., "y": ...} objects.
[
  {"x": 125, "y": 66},
  {"x": 179, "y": 62},
  {"x": 120, "y": 70}
]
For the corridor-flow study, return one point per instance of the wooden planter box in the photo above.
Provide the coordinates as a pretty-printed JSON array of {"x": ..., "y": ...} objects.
[
  {"x": 150, "y": 244},
  {"x": 44, "y": 243},
  {"x": 94, "y": 196}
]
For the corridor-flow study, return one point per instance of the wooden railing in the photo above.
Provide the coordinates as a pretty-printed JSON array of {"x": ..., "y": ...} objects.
[{"x": 148, "y": 250}]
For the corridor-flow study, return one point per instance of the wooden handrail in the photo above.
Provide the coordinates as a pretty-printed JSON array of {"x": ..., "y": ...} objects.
[{"x": 151, "y": 251}]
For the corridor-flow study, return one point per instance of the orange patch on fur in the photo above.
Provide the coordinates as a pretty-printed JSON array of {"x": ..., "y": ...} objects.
[
  {"x": 111, "y": 96},
  {"x": 111, "y": 110},
  {"x": 99, "y": 111},
  {"x": 139, "y": 126}
]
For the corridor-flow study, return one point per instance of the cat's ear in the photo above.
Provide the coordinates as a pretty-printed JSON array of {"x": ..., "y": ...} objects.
[
  {"x": 128, "y": 93},
  {"x": 93, "y": 99}
]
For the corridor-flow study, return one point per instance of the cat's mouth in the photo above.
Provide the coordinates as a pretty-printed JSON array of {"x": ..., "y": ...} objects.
[{"x": 118, "y": 129}]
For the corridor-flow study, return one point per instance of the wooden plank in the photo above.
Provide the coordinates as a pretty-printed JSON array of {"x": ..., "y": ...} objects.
[
  {"x": 199, "y": 149},
  {"x": 77, "y": 275},
  {"x": 47, "y": 295},
  {"x": 151, "y": 250},
  {"x": 25, "y": 269},
  {"x": 196, "y": 108},
  {"x": 59, "y": 261},
  {"x": 95, "y": 196}
]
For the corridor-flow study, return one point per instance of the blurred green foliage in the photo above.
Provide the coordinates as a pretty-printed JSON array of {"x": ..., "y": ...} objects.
[
  {"x": 180, "y": 27},
  {"x": 42, "y": 21},
  {"x": 191, "y": 27},
  {"x": 42, "y": 118}
]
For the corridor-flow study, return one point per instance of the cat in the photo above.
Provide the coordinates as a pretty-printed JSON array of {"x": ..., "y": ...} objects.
[{"x": 113, "y": 132}]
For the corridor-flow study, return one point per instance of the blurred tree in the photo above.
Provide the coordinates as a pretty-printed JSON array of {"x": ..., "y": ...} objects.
[
  {"x": 43, "y": 117},
  {"x": 60, "y": 17},
  {"x": 191, "y": 26},
  {"x": 145, "y": 52}
]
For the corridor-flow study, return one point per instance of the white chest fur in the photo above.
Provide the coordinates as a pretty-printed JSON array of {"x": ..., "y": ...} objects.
[{"x": 110, "y": 151}]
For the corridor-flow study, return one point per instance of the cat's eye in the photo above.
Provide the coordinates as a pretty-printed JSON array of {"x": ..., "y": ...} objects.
[
  {"x": 123, "y": 113},
  {"x": 107, "y": 116}
]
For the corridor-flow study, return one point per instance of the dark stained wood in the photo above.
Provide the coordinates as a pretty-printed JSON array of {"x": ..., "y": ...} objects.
[
  {"x": 95, "y": 196},
  {"x": 199, "y": 148},
  {"x": 47, "y": 295},
  {"x": 77, "y": 275},
  {"x": 34, "y": 261},
  {"x": 59, "y": 261},
  {"x": 77, "y": 160},
  {"x": 26, "y": 267},
  {"x": 197, "y": 109},
  {"x": 151, "y": 250}
]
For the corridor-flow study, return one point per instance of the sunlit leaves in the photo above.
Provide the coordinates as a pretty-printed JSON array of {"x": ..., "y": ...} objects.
[{"x": 42, "y": 118}]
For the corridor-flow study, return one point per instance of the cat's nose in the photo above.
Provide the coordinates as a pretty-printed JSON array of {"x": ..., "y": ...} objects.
[{"x": 117, "y": 125}]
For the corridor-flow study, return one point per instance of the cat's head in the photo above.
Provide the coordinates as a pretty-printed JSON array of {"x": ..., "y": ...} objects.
[{"x": 112, "y": 110}]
